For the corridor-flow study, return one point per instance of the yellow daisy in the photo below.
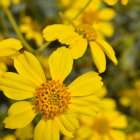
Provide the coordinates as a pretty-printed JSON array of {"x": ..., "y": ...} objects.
[
  {"x": 113, "y": 2},
  {"x": 7, "y": 3},
  {"x": 107, "y": 125},
  {"x": 78, "y": 38},
  {"x": 9, "y": 47},
  {"x": 94, "y": 15},
  {"x": 58, "y": 104},
  {"x": 131, "y": 98},
  {"x": 31, "y": 29},
  {"x": 9, "y": 137},
  {"x": 134, "y": 136},
  {"x": 25, "y": 133}
]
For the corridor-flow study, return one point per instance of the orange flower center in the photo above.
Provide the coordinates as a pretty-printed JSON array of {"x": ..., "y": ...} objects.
[
  {"x": 90, "y": 17},
  {"x": 101, "y": 125},
  {"x": 87, "y": 31},
  {"x": 52, "y": 99}
]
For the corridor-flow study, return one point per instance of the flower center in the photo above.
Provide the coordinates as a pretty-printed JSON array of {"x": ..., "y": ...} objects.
[
  {"x": 52, "y": 99},
  {"x": 90, "y": 17},
  {"x": 101, "y": 125},
  {"x": 87, "y": 31}
]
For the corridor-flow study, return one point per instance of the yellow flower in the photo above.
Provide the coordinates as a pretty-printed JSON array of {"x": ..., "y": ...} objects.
[
  {"x": 134, "y": 136},
  {"x": 94, "y": 15},
  {"x": 31, "y": 29},
  {"x": 9, "y": 47},
  {"x": 131, "y": 98},
  {"x": 102, "y": 92},
  {"x": 7, "y": 3},
  {"x": 21, "y": 134},
  {"x": 78, "y": 38},
  {"x": 24, "y": 133},
  {"x": 9, "y": 137},
  {"x": 15, "y": 2},
  {"x": 44, "y": 63},
  {"x": 113, "y": 2},
  {"x": 107, "y": 125},
  {"x": 58, "y": 104}
]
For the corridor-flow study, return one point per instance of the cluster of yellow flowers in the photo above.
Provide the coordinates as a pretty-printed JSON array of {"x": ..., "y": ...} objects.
[{"x": 39, "y": 91}]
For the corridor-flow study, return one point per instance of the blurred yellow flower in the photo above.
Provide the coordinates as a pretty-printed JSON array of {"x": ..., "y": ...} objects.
[
  {"x": 102, "y": 92},
  {"x": 9, "y": 137},
  {"x": 58, "y": 104},
  {"x": 131, "y": 98},
  {"x": 7, "y": 3},
  {"x": 15, "y": 1},
  {"x": 78, "y": 38},
  {"x": 9, "y": 47},
  {"x": 134, "y": 136},
  {"x": 113, "y": 2},
  {"x": 21, "y": 134},
  {"x": 24, "y": 133},
  {"x": 31, "y": 29},
  {"x": 107, "y": 125},
  {"x": 94, "y": 15}
]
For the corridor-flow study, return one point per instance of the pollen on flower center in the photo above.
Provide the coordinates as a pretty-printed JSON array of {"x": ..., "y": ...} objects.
[
  {"x": 87, "y": 31},
  {"x": 101, "y": 125},
  {"x": 52, "y": 99},
  {"x": 90, "y": 17}
]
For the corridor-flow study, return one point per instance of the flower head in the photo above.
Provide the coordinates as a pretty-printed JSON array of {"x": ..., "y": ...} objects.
[
  {"x": 108, "y": 124},
  {"x": 57, "y": 103},
  {"x": 94, "y": 15},
  {"x": 77, "y": 38}
]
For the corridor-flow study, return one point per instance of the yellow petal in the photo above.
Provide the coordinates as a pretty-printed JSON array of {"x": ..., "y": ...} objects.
[
  {"x": 63, "y": 129},
  {"x": 86, "y": 100},
  {"x": 9, "y": 47},
  {"x": 106, "y": 28},
  {"x": 86, "y": 84},
  {"x": 108, "y": 104},
  {"x": 115, "y": 134},
  {"x": 108, "y": 50},
  {"x": 53, "y": 32},
  {"x": 60, "y": 63},
  {"x": 29, "y": 67},
  {"x": 70, "y": 122},
  {"x": 9, "y": 137},
  {"x": 88, "y": 110},
  {"x": 20, "y": 114},
  {"x": 107, "y": 14},
  {"x": 78, "y": 48},
  {"x": 118, "y": 120},
  {"x": 111, "y": 2},
  {"x": 98, "y": 56},
  {"x": 124, "y": 2},
  {"x": 5, "y": 3},
  {"x": 16, "y": 87},
  {"x": 47, "y": 130}
]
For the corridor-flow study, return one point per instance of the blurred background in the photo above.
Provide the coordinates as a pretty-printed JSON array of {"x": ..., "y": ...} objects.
[{"x": 121, "y": 82}]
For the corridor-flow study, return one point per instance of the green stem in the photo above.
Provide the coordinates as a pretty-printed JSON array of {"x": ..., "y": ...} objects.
[
  {"x": 45, "y": 45},
  {"x": 82, "y": 10},
  {"x": 15, "y": 26}
]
